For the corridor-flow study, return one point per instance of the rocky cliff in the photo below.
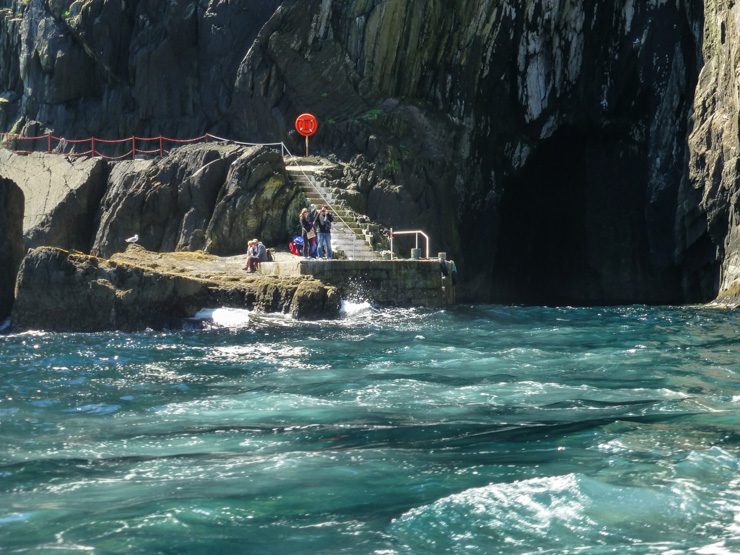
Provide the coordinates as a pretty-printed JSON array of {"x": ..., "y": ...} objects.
[
  {"x": 710, "y": 214},
  {"x": 546, "y": 140},
  {"x": 566, "y": 151},
  {"x": 106, "y": 67}
]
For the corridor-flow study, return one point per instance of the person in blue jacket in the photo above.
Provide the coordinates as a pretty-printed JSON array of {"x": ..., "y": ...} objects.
[{"x": 322, "y": 223}]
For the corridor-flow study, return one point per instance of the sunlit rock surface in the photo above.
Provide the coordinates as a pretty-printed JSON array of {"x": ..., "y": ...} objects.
[
  {"x": 62, "y": 196},
  {"x": 710, "y": 230}
]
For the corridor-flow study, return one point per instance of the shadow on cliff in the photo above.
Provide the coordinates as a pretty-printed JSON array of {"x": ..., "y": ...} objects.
[{"x": 572, "y": 226}]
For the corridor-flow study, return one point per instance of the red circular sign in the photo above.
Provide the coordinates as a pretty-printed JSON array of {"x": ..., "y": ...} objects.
[{"x": 306, "y": 124}]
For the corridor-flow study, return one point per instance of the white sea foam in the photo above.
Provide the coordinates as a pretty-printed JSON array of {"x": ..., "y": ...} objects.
[
  {"x": 224, "y": 317},
  {"x": 350, "y": 308},
  {"x": 516, "y": 513},
  {"x": 33, "y": 333},
  {"x": 564, "y": 510}
]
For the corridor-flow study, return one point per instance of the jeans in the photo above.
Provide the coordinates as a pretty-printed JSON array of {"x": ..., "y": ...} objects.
[
  {"x": 309, "y": 246},
  {"x": 325, "y": 240}
]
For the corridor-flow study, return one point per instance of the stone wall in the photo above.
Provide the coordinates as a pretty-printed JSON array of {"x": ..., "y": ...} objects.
[{"x": 406, "y": 283}]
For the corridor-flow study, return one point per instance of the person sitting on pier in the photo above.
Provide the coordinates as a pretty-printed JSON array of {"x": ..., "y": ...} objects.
[
  {"x": 308, "y": 232},
  {"x": 256, "y": 253},
  {"x": 323, "y": 223}
]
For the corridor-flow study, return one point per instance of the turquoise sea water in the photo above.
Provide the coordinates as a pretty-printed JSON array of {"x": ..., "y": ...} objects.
[{"x": 474, "y": 430}]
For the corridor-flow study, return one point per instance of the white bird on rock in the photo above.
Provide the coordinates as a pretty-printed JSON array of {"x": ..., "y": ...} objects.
[{"x": 133, "y": 239}]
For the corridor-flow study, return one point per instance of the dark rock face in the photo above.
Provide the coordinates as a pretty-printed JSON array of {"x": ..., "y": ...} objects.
[
  {"x": 11, "y": 241},
  {"x": 122, "y": 66},
  {"x": 63, "y": 291},
  {"x": 256, "y": 200},
  {"x": 166, "y": 202},
  {"x": 543, "y": 143},
  {"x": 573, "y": 228},
  {"x": 212, "y": 197}
]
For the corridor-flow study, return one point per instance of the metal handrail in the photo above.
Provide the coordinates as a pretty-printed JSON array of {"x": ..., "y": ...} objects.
[
  {"x": 416, "y": 232},
  {"x": 326, "y": 201}
]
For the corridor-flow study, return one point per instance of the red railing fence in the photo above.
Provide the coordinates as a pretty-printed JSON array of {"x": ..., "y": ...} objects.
[{"x": 110, "y": 149}]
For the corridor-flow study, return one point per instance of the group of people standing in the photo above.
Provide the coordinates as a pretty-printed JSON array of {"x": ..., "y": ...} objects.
[
  {"x": 316, "y": 231},
  {"x": 316, "y": 234}
]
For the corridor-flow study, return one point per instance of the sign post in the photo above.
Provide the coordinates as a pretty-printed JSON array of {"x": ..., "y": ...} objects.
[{"x": 306, "y": 125}]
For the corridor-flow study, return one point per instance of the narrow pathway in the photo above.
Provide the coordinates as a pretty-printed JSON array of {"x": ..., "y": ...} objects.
[{"x": 347, "y": 235}]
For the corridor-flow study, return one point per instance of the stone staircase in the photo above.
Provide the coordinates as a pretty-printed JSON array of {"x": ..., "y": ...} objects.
[{"x": 348, "y": 235}]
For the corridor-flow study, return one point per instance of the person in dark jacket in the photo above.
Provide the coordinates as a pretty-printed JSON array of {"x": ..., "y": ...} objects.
[
  {"x": 322, "y": 223},
  {"x": 256, "y": 253},
  {"x": 308, "y": 232}
]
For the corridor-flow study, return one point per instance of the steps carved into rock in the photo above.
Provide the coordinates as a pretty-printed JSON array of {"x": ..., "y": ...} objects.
[{"x": 352, "y": 233}]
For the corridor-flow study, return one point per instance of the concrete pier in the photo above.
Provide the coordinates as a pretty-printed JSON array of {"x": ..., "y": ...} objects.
[{"x": 384, "y": 282}]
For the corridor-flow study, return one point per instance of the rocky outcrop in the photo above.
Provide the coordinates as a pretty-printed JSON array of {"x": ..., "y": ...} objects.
[
  {"x": 210, "y": 196},
  {"x": 11, "y": 241},
  {"x": 167, "y": 202},
  {"x": 62, "y": 196},
  {"x": 63, "y": 291},
  {"x": 709, "y": 215},
  {"x": 257, "y": 200},
  {"x": 313, "y": 300}
]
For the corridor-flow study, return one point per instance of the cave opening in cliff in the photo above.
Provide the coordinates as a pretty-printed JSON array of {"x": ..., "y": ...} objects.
[{"x": 571, "y": 224}]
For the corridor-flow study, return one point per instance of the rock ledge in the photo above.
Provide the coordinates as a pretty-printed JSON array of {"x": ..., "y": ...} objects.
[{"x": 69, "y": 291}]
